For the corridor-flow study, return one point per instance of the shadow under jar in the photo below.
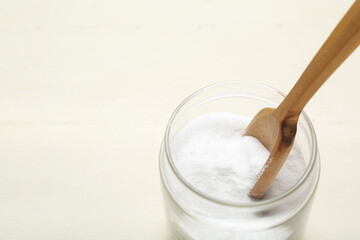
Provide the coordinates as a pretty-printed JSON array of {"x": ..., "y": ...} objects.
[{"x": 191, "y": 214}]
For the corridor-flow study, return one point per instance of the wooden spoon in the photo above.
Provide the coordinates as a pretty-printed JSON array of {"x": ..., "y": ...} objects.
[{"x": 276, "y": 128}]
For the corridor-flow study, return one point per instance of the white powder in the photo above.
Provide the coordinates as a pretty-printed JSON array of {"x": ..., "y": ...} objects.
[{"x": 212, "y": 154}]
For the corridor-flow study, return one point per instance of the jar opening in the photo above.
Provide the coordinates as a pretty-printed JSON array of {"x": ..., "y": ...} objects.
[{"x": 305, "y": 176}]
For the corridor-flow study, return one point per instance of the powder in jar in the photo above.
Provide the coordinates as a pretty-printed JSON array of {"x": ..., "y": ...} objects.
[{"x": 213, "y": 155}]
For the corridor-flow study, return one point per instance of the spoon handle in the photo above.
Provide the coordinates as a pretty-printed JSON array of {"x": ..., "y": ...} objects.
[{"x": 340, "y": 44}]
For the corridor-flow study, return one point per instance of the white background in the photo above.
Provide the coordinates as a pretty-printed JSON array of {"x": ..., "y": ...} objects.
[{"x": 87, "y": 87}]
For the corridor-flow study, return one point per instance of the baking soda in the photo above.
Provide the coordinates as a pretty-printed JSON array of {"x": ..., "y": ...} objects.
[{"x": 213, "y": 155}]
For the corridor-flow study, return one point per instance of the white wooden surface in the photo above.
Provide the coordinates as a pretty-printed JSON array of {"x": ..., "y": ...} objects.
[{"x": 87, "y": 87}]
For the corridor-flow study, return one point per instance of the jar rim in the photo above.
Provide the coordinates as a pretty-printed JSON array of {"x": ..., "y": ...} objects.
[{"x": 289, "y": 192}]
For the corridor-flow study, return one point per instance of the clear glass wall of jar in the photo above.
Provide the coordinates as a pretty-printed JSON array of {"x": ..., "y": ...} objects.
[{"x": 193, "y": 215}]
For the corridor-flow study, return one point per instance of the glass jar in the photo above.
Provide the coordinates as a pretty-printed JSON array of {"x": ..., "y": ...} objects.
[{"x": 192, "y": 214}]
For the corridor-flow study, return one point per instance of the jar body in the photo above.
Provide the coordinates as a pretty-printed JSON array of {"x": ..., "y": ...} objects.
[{"x": 193, "y": 215}]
